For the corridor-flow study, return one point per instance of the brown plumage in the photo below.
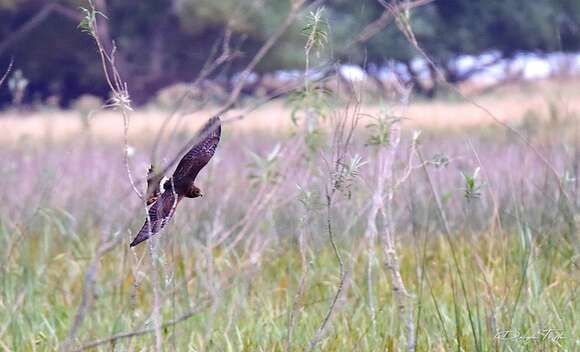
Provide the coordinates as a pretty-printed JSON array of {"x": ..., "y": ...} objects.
[
  {"x": 180, "y": 185},
  {"x": 153, "y": 186}
]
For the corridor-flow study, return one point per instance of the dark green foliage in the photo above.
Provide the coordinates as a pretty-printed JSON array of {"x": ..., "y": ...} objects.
[
  {"x": 448, "y": 29},
  {"x": 164, "y": 42}
]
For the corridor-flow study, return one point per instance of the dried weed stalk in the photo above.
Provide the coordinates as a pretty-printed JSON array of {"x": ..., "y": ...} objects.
[
  {"x": 8, "y": 70},
  {"x": 385, "y": 139},
  {"x": 342, "y": 170}
]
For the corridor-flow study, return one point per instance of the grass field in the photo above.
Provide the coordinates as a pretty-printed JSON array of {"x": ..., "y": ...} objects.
[
  {"x": 532, "y": 102},
  {"x": 489, "y": 258}
]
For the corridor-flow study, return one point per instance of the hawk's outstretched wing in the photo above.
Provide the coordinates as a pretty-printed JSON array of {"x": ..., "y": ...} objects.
[
  {"x": 200, "y": 154},
  {"x": 159, "y": 214}
]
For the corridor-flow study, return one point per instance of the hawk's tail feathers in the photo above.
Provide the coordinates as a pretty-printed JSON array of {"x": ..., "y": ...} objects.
[
  {"x": 158, "y": 215},
  {"x": 143, "y": 235}
]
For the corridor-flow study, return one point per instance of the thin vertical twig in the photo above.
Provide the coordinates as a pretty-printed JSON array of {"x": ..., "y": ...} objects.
[
  {"x": 386, "y": 184},
  {"x": 156, "y": 312},
  {"x": 322, "y": 328},
  {"x": 120, "y": 94},
  {"x": 337, "y": 181},
  {"x": 8, "y": 70},
  {"x": 402, "y": 296}
]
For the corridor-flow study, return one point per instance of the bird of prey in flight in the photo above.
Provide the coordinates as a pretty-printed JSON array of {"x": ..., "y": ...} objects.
[{"x": 162, "y": 204}]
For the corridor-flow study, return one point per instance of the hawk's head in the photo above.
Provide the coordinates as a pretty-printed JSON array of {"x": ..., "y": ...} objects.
[{"x": 195, "y": 192}]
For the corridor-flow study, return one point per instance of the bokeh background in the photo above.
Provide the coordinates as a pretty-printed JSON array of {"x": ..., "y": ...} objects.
[
  {"x": 163, "y": 43},
  {"x": 449, "y": 221}
]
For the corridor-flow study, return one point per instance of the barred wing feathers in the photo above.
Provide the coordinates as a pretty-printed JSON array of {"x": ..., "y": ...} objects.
[
  {"x": 159, "y": 214},
  {"x": 200, "y": 154}
]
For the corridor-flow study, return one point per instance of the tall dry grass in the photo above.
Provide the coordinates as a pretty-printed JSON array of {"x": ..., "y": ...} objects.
[
  {"x": 231, "y": 264},
  {"x": 325, "y": 225}
]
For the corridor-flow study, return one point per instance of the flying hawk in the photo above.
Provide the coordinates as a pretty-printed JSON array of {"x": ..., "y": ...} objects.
[{"x": 181, "y": 184}]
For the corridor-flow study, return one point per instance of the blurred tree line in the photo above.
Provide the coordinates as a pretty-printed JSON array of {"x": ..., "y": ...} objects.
[{"x": 163, "y": 42}]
